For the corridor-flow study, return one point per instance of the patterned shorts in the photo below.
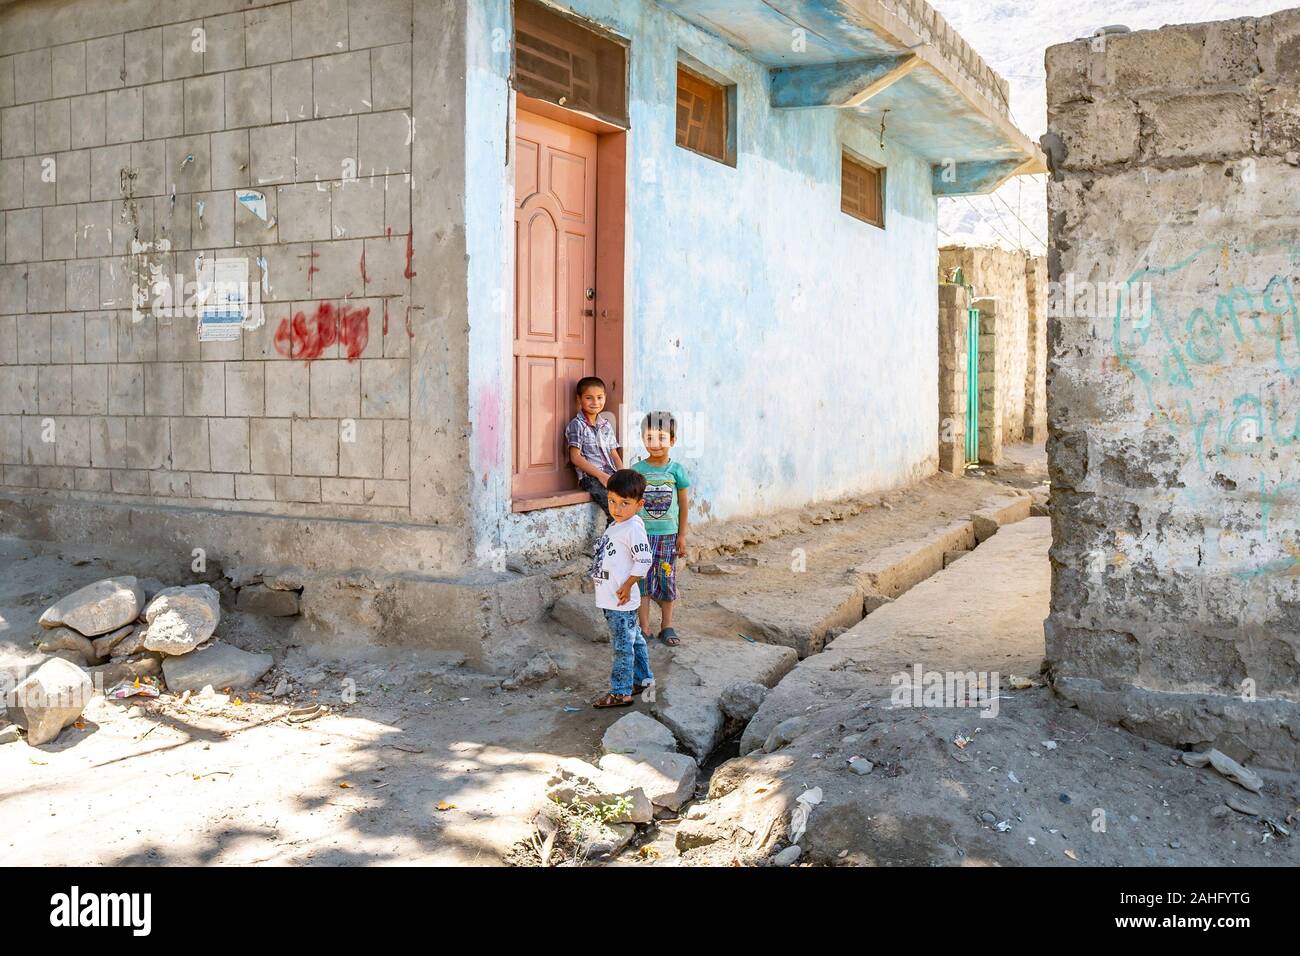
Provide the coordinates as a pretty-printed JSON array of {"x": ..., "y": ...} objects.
[{"x": 661, "y": 580}]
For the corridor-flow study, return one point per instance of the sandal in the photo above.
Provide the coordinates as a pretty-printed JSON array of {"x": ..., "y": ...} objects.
[
  {"x": 614, "y": 700},
  {"x": 300, "y": 715},
  {"x": 669, "y": 637}
]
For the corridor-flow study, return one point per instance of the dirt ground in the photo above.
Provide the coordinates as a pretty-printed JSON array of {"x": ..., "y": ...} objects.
[
  {"x": 419, "y": 759},
  {"x": 1014, "y": 779}
]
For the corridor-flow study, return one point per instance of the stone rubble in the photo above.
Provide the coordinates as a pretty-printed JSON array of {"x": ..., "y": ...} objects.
[
  {"x": 49, "y": 699},
  {"x": 218, "y": 664},
  {"x": 181, "y": 618},
  {"x": 635, "y": 732},
  {"x": 97, "y": 608}
]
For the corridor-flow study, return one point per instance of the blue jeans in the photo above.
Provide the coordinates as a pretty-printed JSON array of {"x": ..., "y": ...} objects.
[{"x": 631, "y": 656}]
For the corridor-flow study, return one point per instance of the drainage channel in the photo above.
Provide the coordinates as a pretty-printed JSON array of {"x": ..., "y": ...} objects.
[{"x": 926, "y": 557}]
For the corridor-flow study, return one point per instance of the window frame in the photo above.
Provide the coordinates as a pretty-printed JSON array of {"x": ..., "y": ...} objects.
[
  {"x": 850, "y": 158},
  {"x": 700, "y": 74}
]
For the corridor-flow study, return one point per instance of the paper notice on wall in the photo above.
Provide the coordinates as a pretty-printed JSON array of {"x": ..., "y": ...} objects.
[
  {"x": 253, "y": 201},
  {"x": 226, "y": 305}
]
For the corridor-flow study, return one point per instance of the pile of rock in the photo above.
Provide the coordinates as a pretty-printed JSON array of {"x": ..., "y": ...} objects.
[
  {"x": 107, "y": 632},
  {"x": 641, "y": 766}
]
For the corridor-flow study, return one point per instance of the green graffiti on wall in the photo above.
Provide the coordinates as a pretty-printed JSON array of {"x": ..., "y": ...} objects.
[{"x": 1181, "y": 349}]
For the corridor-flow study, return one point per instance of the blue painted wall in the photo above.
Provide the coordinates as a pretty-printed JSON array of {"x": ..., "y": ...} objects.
[{"x": 797, "y": 345}]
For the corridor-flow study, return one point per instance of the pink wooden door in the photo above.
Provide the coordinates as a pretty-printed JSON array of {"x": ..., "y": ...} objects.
[{"x": 555, "y": 325}]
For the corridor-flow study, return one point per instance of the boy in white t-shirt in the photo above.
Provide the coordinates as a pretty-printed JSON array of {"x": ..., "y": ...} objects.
[{"x": 620, "y": 560}]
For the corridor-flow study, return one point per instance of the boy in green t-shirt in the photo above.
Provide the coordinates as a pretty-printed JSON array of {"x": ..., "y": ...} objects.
[{"x": 664, "y": 514}]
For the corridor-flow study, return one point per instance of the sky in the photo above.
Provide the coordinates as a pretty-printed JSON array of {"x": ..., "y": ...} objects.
[{"x": 1012, "y": 37}]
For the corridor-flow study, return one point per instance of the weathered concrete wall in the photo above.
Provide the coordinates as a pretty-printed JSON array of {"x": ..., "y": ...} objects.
[
  {"x": 139, "y": 121},
  {"x": 1001, "y": 275},
  {"x": 791, "y": 340},
  {"x": 1036, "y": 345},
  {"x": 953, "y": 360},
  {"x": 1174, "y": 382}
]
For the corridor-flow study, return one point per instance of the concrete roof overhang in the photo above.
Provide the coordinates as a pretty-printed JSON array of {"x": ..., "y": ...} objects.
[{"x": 866, "y": 56}]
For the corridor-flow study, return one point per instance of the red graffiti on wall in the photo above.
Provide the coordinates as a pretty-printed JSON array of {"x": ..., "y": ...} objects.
[
  {"x": 410, "y": 255},
  {"x": 307, "y": 338}
]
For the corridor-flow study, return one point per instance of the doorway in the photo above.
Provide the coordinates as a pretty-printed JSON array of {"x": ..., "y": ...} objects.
[
  {"x": 568, "y": 317},
  {"x": 555, "y": 290}
]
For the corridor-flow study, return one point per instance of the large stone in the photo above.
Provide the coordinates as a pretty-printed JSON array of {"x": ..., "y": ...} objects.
[
  {"x": 218, "y": 664},
  {"x": 578, "y": 613},
  {"x": 607, "y": 840},
  {"x": 668, "y": 779},
  {"x": 132, "y": 643},
  {"x": 109, "y": 675},
  {"x": 577, "y": 780},
  {"x": 692, "y": 834},
  {"x": 785, "y": 732},
  {"x": 693, "y": 715},
  {"x": 104, "y": 645},
  {"x": 741, "y": 700},
  {"x": 180, "y": 619},
  {"x": 636, "y": 732},
  {"x": 49, "y": 699},
  {"x": 284, "y": 579},
  {"x": 97, "y": 608},
  {"x": 688, "y": 699},
  {"x": 66, "y": 639},
  {"x": 260, "y": 599},
  {"x": 540, "y": 667}
]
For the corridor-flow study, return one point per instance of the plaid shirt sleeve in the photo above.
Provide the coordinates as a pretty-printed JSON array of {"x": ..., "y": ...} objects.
[{"x": 573, "y": 433}]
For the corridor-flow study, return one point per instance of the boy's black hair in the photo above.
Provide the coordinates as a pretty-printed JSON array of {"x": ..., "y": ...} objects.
[
  {"x": 627, "y": 483},
  {"x": 586, "y": 383},
  {"x": 660, "y": 421}
]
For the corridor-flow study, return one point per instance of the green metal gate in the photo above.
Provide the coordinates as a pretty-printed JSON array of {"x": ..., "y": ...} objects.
[{"x": 972, "y": 386}]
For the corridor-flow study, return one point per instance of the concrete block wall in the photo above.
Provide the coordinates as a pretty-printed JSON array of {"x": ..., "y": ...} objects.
[
  {"x": 141, "y": 121},
  {"x": 993, "y": 390},
  {"x": 1174, "y": 383},
  {"x": 1036, "y": 288},
  {"x": 953, "y": 359}
]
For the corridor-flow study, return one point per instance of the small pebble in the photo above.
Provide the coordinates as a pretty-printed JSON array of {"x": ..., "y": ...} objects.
[
  {"x": 787, "y": 856},
  {"x": 861, "y": 766}
]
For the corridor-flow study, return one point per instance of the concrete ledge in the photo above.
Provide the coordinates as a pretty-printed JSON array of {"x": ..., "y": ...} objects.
[
  {"x": 162, "y": 538},
  {"x": 802, "y": 622},
  {"x": 1263, "y": 733},
  {"x": 999, "y": 512},
  {"x": 902, "y": 566},
  {"x": 469, "y": 616}
]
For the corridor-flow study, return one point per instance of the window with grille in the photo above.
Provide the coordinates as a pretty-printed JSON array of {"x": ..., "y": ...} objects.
[
  {"x": 705, "y": 116},
  {"x": 562, "y": 62},
  {"x": 862, "y": 190}
]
